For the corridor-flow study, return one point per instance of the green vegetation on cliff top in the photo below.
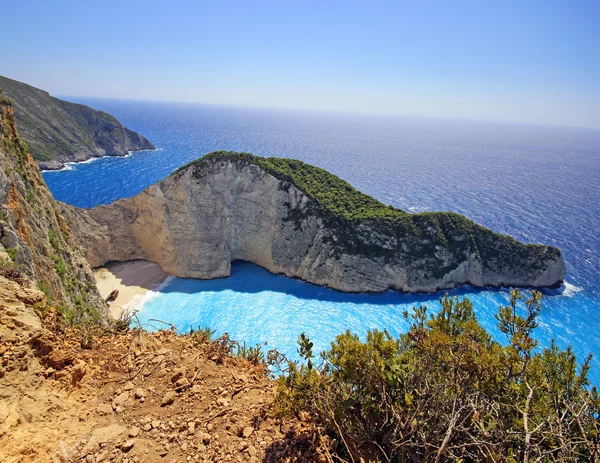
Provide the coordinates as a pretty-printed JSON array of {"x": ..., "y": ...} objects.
[
  {"x": 340, "y": 200},
  {"x": 330, "y": 192}
]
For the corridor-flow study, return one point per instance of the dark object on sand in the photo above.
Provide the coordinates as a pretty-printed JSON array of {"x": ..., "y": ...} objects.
[{"x": 112, "y": 296}]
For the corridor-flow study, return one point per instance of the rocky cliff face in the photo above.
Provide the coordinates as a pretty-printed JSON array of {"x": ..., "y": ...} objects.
[
  {"x": 58, "y": 131},
  {"x": 33, "y": 235},
  {"x": 228, "y": 207}
]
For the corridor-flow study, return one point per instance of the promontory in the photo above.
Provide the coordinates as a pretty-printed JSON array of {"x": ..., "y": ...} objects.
[
  {"x": 301, "y": 221},
  {"x": 58, "y": 131}
]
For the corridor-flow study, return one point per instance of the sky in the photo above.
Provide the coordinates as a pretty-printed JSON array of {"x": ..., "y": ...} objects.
[{"x": 522, "y": 61}]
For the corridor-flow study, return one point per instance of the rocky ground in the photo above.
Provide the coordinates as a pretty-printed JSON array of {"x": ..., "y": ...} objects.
[{"x": 131, "y": 397}]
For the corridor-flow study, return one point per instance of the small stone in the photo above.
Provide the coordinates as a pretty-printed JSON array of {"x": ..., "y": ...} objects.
[
  {"x": 128, "y": 445},
  {"x": 222, "y": 402},
  {"x": 104, "y": 409},
  {"x": 251, "y": 451},
  {"x": 241, "y": 378},
  {"x": 139, "y": 393},
  {"x": 147, "y": 427},
  {"x": 247, "y": 432},
  {"x": 182, "y": 383},
  {"x": 128, "y": 386},
  {"x": 205, "y": 438},
  {"x": 196, "y": 389},
  {"x": 179, "y": 373},
  {"x": 155, "y": 424},
  {"x": 168, "y": 398},
  {"x": 121, "y": 399},
  {"x": 134, "y": 432},
  {"x": 108, "y": 433},
  {"x": 102, "y": 456}
]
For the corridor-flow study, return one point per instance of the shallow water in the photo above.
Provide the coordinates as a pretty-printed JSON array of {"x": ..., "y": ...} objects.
[
  {"x": 255, "y": 306},
  {"x": 539, "y": 184}
]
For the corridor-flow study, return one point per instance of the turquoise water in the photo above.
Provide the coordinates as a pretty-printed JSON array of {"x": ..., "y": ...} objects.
[
  {"x": 256, "y": 306},
  {"x": 538, "y": 184}
]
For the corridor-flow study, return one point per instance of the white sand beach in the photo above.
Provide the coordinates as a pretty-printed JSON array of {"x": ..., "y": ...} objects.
[{"x": 132, "y": 279}]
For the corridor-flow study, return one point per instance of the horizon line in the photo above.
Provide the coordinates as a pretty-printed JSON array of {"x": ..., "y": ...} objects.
[{"x": 333, "y": 111}]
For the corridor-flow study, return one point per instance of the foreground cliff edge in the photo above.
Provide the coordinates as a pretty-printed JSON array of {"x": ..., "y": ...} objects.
[
  {"x": 34, "y": 237},
  {"x": 301, "y": 221}
]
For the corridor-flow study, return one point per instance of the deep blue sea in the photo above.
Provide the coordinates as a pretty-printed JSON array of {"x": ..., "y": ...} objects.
[{"x": 539, "y": 184}]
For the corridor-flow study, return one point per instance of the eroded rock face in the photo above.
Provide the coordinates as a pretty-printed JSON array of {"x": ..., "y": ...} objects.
[
  {"x": 33, "y": 235},
  {"x": 200, "y": 219}
]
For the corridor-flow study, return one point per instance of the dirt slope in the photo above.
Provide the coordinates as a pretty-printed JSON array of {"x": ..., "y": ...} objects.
[{"x": 132, "y": 397}]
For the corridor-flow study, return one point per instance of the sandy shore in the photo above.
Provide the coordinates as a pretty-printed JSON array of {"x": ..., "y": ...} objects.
[{"x": 132, "y": 279}]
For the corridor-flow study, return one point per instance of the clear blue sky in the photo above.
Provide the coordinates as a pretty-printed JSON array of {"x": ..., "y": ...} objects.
[{"x": 525, "y": 60}]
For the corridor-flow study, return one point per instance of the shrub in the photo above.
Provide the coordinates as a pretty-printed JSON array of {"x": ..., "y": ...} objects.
[
  {"x": 202, "y": 335},
  {"x": 12, "y": 253},
  {"x": 59, "y": 266},
  {"x": 445, "y": 391},
  {"x": 53, "y": 239},
  {"x": 254, "y": 355},
  {"x": 10, "y": 270}
]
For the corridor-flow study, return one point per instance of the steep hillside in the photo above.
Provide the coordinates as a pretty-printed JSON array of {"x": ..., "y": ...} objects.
[
  {"x": 57, "y": 131},
  {"x": 33, "y": 235},
  {"x": 132, "y": 397},
  {"x": 301, "y": 221}
]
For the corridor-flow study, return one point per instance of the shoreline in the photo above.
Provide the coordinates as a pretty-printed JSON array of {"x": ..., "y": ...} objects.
[
  {"x": 70, "y": 165},
  {"x": 135, "y": 280}
]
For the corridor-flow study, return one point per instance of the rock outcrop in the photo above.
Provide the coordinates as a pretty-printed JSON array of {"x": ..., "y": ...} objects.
[
  {"x": 298, "y": 220},
  {"x": 34, "y": 238},
  {"x": 58, "y": 131}
]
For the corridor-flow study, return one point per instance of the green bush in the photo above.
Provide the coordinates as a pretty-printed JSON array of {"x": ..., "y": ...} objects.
[
  {"x": 79, "y": 315},
  {"x": 202, "y": 335},
  {"x": 53, "y": 239},
  {"x": 12, "y": 253},
  {"x": 445, "y": 391},
  {"x": 59, "y": 266},
  {"x": 254, "y": 355}
]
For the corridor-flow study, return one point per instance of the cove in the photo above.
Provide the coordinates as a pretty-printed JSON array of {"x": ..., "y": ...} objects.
[{"x": 255, "y": 306}]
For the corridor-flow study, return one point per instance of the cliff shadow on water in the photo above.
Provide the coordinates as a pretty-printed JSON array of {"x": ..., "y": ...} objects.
[{"x": 249, "y": 278}]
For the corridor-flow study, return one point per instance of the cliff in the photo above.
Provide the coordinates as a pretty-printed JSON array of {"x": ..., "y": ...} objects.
[
  {"x": 57, "y": 131},
  {"x": 301, "y": 221},
  {"x": 34, "y": 238}
]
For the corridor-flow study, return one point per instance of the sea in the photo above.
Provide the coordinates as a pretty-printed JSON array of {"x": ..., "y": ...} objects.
[{"x": 539, "y": 184}]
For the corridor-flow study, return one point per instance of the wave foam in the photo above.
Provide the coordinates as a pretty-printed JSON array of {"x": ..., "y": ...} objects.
[
  {"x": 73, "y": 164},
  {"x": 137, "y": 302},
  {"x": 571, "y": 290}
]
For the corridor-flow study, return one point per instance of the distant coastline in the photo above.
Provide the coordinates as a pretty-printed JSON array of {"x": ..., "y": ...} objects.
[{"x": 70, "y": 165}]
